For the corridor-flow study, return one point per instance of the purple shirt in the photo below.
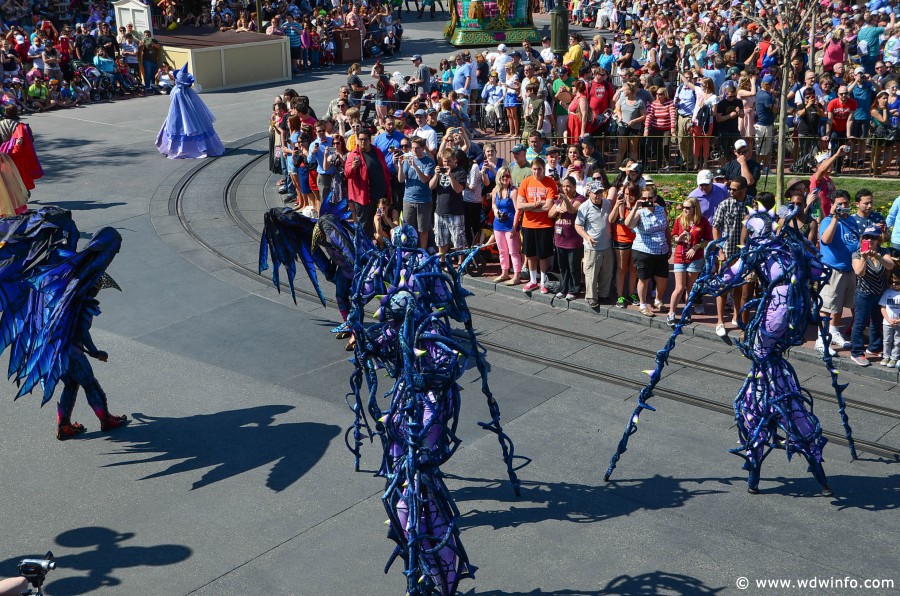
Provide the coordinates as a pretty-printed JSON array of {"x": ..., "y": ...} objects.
[
  {"x": 564, "y": 234},
  {"x": 709, "y": 202}
]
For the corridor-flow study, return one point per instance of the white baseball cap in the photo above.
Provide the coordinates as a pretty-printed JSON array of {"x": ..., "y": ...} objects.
[
  {"x": 501, "y": 47},
  {"x": 740, "y": 144},
  {"x": 704, "y": 177}
]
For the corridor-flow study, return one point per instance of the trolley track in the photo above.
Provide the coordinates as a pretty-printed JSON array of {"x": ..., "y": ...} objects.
[{"x": 708, "y": 404}]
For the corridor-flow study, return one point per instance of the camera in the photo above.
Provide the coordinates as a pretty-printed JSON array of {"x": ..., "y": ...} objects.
[
  {"x": 35, "y": 570},
  {"x": 646, "y": 203},
  {"x": 842, "y": 210}
]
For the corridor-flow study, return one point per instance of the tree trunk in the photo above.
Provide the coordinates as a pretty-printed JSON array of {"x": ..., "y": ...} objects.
[{"x": 782, "y": 133}]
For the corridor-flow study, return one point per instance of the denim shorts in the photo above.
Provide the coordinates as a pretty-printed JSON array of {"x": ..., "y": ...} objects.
[{"x": 692, "y": 267}]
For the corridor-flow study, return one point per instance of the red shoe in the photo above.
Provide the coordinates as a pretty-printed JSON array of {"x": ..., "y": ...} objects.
[
  {"x": 66, "y": 431},
  {"x": 111, "y": 422}
]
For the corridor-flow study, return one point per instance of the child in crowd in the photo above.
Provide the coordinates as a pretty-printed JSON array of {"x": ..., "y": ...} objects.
[
  {"x": 82, "y": 91},
  {"x": 386, "y": 219},
  {"x": 890, "y": 310}
]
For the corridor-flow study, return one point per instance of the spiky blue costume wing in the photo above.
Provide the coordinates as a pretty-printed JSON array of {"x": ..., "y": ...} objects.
[
  {"x": 324, "y": 244},
  {"x": 47, "y": 292}
]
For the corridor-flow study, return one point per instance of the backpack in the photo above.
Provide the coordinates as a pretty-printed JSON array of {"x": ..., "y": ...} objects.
[
  {"x": 704, "y": 116},
  {"x": 388, "y": 90}
]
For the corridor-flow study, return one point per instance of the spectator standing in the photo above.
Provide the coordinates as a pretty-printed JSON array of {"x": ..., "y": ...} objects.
[
  {"x": 729, "y": 112},
  {"x": 151, "y": 51},
  {"x": 872, "y": 269},
  {"x": 592, "y": 224},
  {"x": 690, "y": 234},
  {"x": 536, "y": 196},
  {"x": 449, "y": 212},
  {"x": 743, "y": 165},
  {"x": 866, "y": 216},
  {"x": 520, "y": 168},
  {"x": 368, "y": 180},
  {"x": 893, "y": 224},
  {"x": 658, "y": 126},
  {"x": 472, "y": 197},
  {"x": 415, "y": 171},
  {"x": 839, "y": 111},
  {"x": 651, "y": 251},
  {"x": 421, "y": 79},
  {"x": 507, "y": 226},
  {"x": 685, "y": 102},
  {"x": 319, "y": 150},
  {"x": 424, "y": 131},
  {"x": 622, "y": 242},
  {"x": 566, "y": 240},
  {"x": 726, "y": 224},
  {"x": 868, "y": 40},
  {"x": 708, "y": 194},
  {"x": 839, "y": 239},
  {"x": 890, "y": 312},
  {"x": 766, "y": 110},
  {"x": 863, "y": 93}
]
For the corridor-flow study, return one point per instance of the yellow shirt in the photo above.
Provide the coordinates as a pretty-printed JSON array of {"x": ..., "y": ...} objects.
[{"x": 574, "y": 59}]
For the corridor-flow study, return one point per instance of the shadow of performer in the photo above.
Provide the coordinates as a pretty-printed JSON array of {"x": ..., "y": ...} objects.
[{"x": 230, "y": 442}]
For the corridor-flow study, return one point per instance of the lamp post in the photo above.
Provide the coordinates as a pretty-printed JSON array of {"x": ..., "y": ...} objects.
[{"x": 559, "y": 28}]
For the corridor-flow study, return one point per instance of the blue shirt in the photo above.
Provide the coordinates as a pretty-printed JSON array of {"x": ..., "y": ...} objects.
[
  {"x": 893, "y": 222},
  {"x": 685, "y": 101},
  {"x": 765, "y": 102},
  {"x": 606, "y": 61},
  {"x": 317, "y": 155},
  {"x": 385, "y": 142},
  {"x": 460, "y": 75},
  {"x": 651, "y": 232},
  {"x": 717, "y": 76},
  {"x": 415, "y": 190},
  {"x": 839, "y": 254},
  {"x": 864, "y": 96}
]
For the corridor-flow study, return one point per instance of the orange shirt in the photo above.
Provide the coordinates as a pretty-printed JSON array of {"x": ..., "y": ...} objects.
[
  {"x": 622, "y": 233},
  {"x": 533, "y": 191}
]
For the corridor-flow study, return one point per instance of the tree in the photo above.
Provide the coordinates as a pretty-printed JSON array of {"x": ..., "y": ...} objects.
[{"x": 788, "y": 24}]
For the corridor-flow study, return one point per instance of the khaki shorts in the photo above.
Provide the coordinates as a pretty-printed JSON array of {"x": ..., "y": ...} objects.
[{"x": 838, "y": 293}]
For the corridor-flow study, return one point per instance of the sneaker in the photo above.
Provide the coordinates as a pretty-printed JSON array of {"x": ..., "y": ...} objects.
[
  {"x": 645, "y": 310},
  {"x": 282, "y": 190},
  {"x": 658, "y": 305},
  {"x": 633, "y": 298},
  {"x": 530, "y": 286},
  {"x": 820, "y": 347},
  {"x": 838, "y": 340},
  {"x": 670, "y": 320},
  {"x": 544, "y": 289},
  {"x": 871, "y": 354},
  {"x": 570, "y": 296},
  {"x": 110, "y": 422},
  {"x": 720, "y": 330},
  {"x": 560, "y": 296},
  {"x": 889, "y": 363},
  {"x": 860, "y": 360},
  {"x": 69, "y": 430},
  {"x": 621, "y": 302}
]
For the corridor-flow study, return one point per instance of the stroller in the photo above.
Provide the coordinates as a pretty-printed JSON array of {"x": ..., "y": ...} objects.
[{"x": 101, "y": 87}]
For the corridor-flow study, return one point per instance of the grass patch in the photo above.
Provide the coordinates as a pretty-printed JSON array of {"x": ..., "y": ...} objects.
[{"x": 884, "y": 190}]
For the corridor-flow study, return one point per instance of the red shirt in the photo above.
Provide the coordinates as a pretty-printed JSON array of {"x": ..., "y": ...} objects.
[
  {"x": 599, "y": 96},
  {"x": 699, "y": 233},
  {"x": 840, "y": 113}
]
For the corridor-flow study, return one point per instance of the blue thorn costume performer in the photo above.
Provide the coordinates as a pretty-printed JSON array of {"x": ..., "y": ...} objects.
[
  {"x": 412, "y": 340},
  {"x": 771, "y": 399},
  {"x": 48, "y": 295}
]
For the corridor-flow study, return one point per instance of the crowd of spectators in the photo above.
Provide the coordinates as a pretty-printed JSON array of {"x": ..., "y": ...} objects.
[
  {"x": 410, "y": 145},
  {"x": 45, "y": 68}
]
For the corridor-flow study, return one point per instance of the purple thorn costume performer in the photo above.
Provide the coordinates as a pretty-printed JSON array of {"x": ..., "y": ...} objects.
[
  {"x": 188, "y": 131},
  {"x": 771, "y": 399}
]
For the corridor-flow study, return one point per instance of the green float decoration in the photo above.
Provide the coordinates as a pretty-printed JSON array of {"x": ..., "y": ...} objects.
[{"x": 488, "y": 22}]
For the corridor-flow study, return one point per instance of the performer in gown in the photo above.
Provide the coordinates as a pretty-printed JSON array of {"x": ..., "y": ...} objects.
[
  {"x": 17, "y": 142},
  {"x": 13, "y": 194},
  {"x": 188, "y": 130}
]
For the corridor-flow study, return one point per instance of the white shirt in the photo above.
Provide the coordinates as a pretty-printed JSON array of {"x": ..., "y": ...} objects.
[{"x": 430, "y": 136}]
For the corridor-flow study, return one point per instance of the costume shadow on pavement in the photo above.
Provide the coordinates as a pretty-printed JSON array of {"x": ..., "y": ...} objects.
[
  {"x": 230, "y": 442},
  {"x": 657, "y": 582},
  {"x": 107, "y": 551},
  {"x": 850, "y": 492},
  {"x": 579, "y": 503}
]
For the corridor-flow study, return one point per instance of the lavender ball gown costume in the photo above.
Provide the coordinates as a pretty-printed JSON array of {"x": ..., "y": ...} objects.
[{"x": 188, "y": 131}]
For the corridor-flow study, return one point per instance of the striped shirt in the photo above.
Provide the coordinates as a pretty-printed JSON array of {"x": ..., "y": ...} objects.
[
  {"x": 874, "y": 281},
  {"x": 660, "y": 117}
]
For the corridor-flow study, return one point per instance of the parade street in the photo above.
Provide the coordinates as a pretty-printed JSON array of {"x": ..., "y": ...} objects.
[{"x": 233, "y": 477}]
